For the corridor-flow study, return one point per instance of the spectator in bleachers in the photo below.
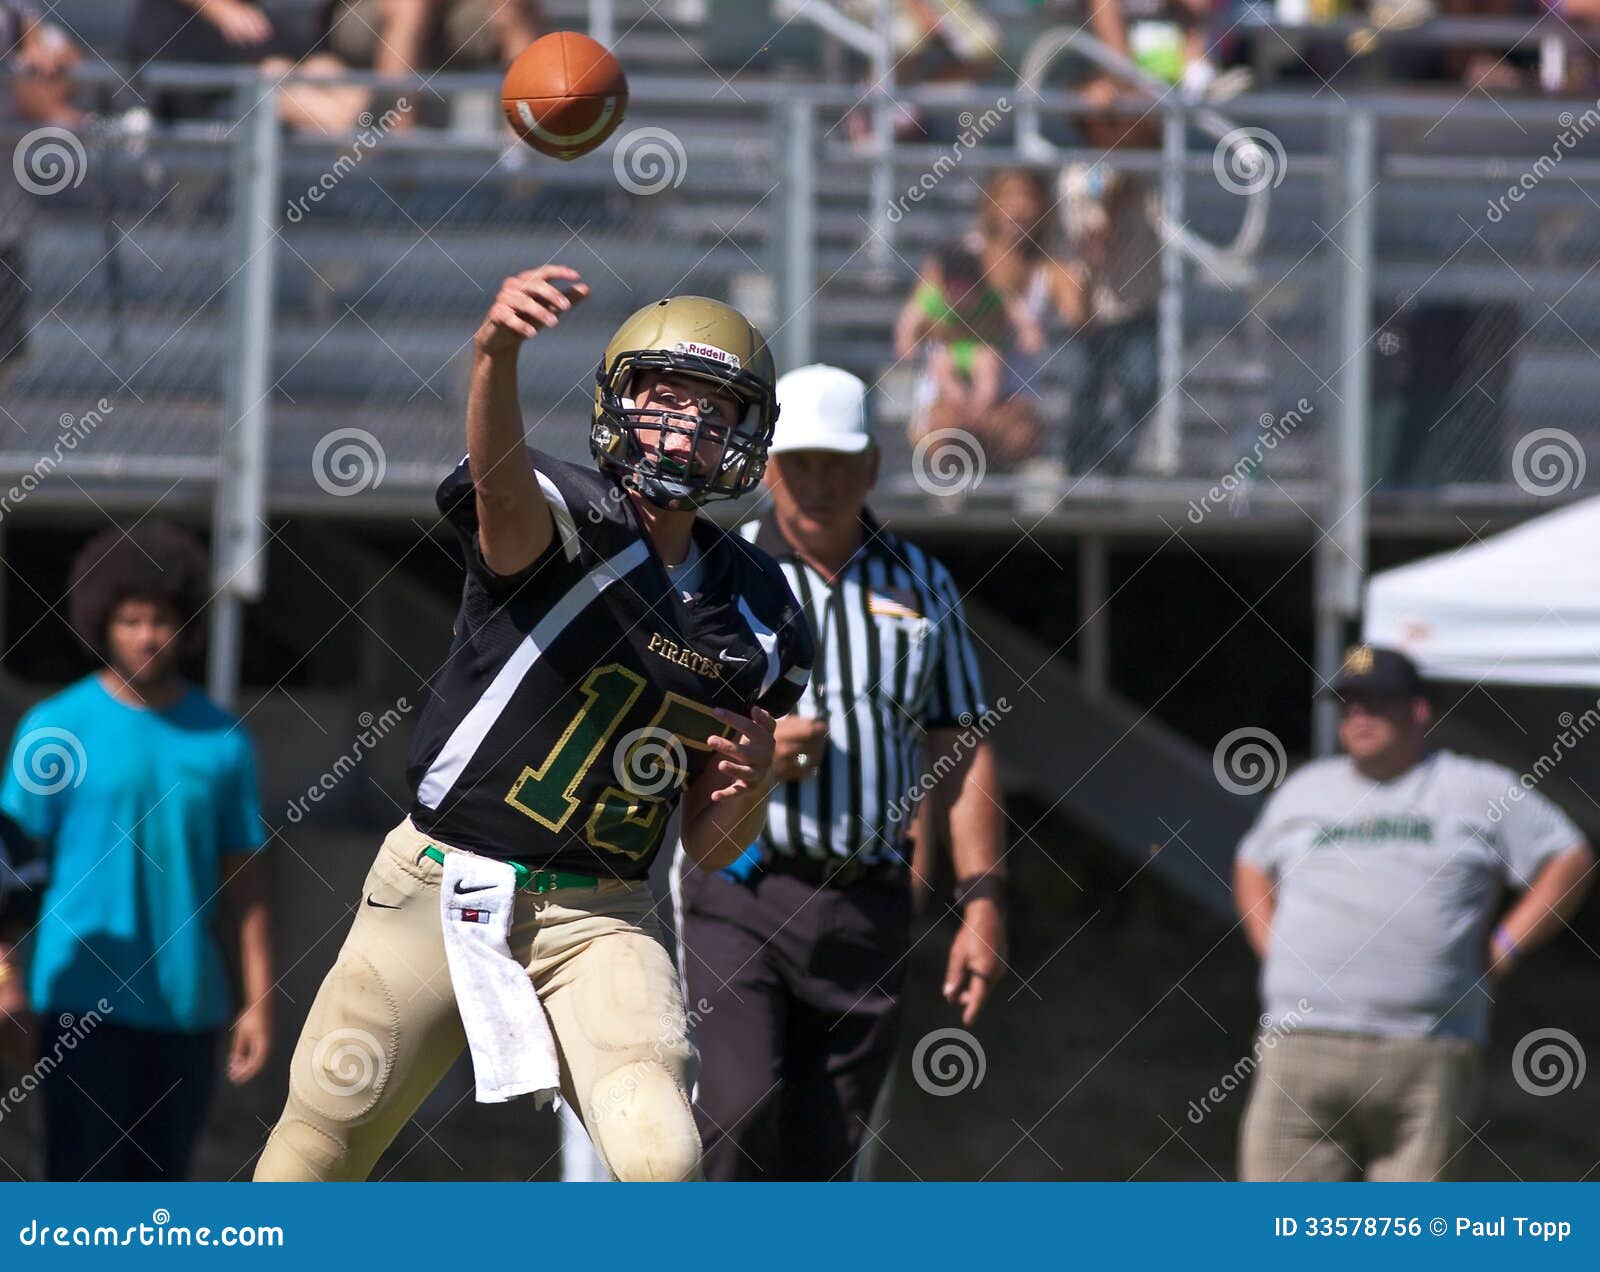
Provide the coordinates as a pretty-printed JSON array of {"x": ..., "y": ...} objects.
[
  {"x": 1015, "y": 239},
  {"x": 207, "y": 32},
  {"x": 393, "y": 40},
  {"x": 1113, "y": 253},
  {"x": 391, "y": 37},
  {"x": 41, "y": 59},
  {"x": 439, "y": 36},
  {"x": 967, "y": 329},
  {"x": 945, "y": 41}
]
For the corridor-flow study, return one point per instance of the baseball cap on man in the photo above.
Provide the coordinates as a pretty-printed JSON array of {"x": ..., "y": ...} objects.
[
  {"x": 821, "y": 408},
  {"x": 1373, "y": 669}
]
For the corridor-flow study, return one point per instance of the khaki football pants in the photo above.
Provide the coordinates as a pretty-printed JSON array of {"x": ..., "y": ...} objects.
[
  {"x": 384, "y": 1027},
  {"x": 1342, "y": 1106}
]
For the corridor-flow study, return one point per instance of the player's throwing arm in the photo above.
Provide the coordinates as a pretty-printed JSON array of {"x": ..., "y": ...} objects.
[{"x": 514, "y": 521}]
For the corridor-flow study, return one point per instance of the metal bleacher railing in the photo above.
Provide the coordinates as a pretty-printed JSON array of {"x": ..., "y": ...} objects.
[{"x": 188, "y": 276}]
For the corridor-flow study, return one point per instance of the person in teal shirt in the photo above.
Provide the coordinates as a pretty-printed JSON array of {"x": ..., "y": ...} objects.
[{"x": 140, "y": 794}]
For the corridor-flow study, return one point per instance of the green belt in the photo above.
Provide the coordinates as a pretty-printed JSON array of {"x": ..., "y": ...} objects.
[{"x": 532, "y": 880}]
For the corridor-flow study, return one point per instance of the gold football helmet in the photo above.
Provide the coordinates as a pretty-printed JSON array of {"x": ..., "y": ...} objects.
[{"x": 709, "y": 341}]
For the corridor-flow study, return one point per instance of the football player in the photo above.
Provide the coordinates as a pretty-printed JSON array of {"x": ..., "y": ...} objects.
[{"x": 616, "y": 658}]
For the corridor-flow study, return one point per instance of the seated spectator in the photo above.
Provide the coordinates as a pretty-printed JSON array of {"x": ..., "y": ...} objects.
[
  {"x": 208, "y": 32},
  {"x": 431, "y": 35},
  {"x": 396, "y": 37},
  {"x": 967, "y": 328},
  {"x": 42, "y": 60},
  {"x": 934, "y": 41},
  {"x": 1014, "y": 237}
]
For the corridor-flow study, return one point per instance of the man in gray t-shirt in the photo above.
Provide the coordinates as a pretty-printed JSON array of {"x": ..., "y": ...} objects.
[{"x": 1369, "y": 888}]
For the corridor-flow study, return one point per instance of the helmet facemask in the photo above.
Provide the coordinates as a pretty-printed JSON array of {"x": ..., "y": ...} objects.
[{"x": 739, "y": 454}]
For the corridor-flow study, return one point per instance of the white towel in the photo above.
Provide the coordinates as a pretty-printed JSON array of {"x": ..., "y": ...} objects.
[{"x": 513, "y": 1050}]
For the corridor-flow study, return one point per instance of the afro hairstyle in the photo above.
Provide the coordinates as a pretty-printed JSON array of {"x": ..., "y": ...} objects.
[{"x": 154, "y": 561}]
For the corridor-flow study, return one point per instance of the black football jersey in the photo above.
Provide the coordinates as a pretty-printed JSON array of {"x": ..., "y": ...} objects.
[{"x": 576, "y": 701}]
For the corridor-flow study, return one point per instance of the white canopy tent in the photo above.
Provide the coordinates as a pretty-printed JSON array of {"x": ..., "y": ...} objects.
[{"x": 1519, "y": 608}]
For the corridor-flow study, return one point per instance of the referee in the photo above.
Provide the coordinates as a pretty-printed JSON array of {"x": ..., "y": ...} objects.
[{"x": 794, "y": 958}]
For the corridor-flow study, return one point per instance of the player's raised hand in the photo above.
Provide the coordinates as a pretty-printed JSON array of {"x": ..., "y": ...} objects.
[
  {"x": 528, "y": 303},
  {"x": 747, "y": 762}
]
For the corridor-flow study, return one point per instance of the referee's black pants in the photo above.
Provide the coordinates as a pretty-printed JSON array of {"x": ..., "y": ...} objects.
[{"x": 793, "y": 992}]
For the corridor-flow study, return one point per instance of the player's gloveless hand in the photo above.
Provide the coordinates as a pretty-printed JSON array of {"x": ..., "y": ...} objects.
[
  {"x": 977, "y": 957},
  {"x": 746, "y": 763},
  {"x": 528, "y": 303},
  {"x": 798, "y": 735},
  {"x": 250, "y": 1044}
]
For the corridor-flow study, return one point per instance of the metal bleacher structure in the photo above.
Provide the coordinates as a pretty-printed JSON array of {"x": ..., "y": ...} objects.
[
  {"x": 375, "y": 292},
  {"x": 338, "y": 330}
]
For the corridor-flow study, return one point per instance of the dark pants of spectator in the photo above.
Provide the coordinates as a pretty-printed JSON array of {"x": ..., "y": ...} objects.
[
  {"x": 123, "y": 1104},
  {"x": 793, "y": 992},
  {"x": 1116, "y": 390},
  {"x": 173, "y": 31}
]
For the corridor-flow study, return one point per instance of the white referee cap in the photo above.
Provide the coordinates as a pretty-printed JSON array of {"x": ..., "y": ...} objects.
[{"x": 821, "y": 408}]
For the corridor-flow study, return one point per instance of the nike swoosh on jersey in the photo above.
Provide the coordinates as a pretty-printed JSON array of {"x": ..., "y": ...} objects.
[{"x": 727, "y": 657}]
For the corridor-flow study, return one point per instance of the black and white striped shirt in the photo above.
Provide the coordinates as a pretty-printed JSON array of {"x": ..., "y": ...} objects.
[{"x": 893, "y": 660}]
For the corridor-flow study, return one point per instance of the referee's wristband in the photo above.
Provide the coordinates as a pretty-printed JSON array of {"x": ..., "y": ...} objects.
[{"x": 984, "y": 887}]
